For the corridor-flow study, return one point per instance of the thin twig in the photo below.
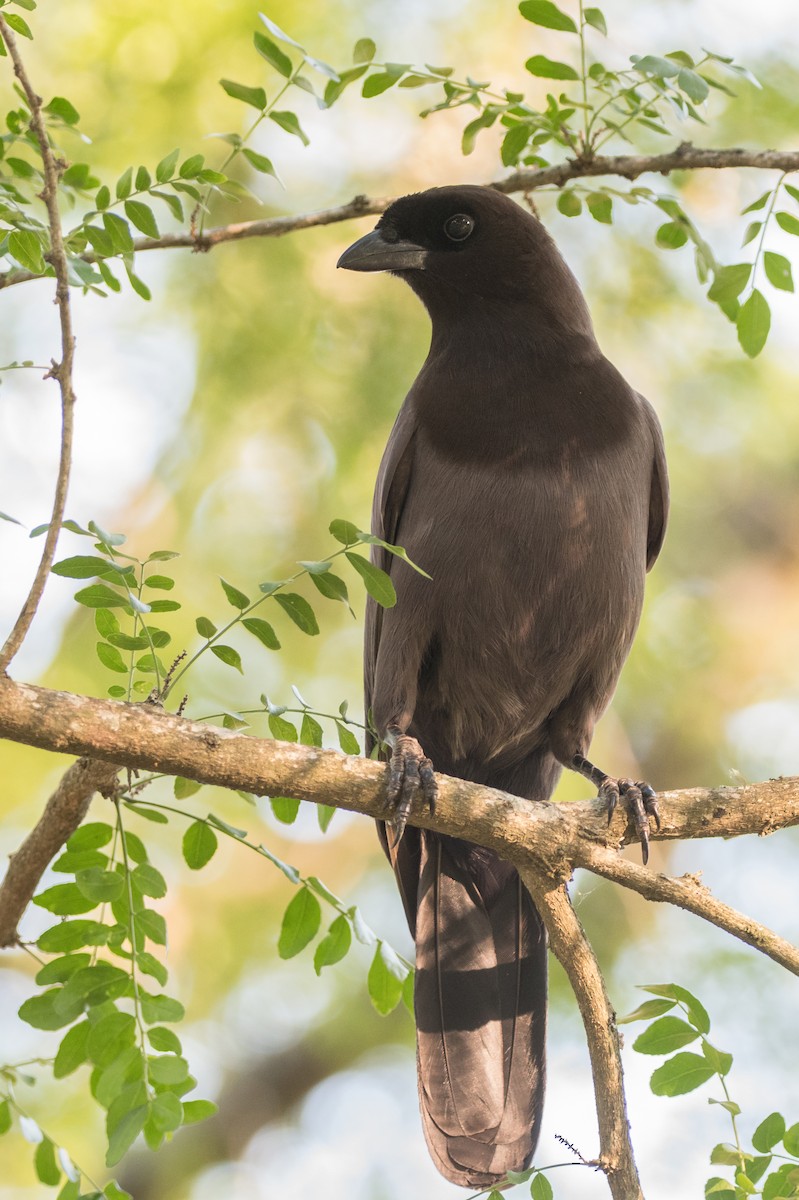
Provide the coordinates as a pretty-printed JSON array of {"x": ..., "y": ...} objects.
[
  {"x": 689, "y": 893},
  {"x": 625, "y": 166},
  {"x": 61, "y": 371},
  {"x": 571, "y": 947}
]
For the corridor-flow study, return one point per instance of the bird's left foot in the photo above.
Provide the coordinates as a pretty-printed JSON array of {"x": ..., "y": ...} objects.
[
  {"x": 638, "y": 797},
  {"x": 410, "y": 775}
]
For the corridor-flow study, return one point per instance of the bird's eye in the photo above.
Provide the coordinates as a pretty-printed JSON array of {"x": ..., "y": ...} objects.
[{"x": 459, "y": 227}]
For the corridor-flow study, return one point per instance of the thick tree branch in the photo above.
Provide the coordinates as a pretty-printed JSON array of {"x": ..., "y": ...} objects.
[
  {"x": 552, "y": 838},
  {"x": 624, "y": 166},
  {"x": 61, "y": 371},
  {"x": 571, "y": 947}
]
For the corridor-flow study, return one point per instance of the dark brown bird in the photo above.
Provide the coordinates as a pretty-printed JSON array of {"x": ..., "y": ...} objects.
[{"x": 529, "y": 479}]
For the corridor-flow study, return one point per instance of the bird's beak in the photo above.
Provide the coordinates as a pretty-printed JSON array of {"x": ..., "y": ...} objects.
[{"x": 374, "y": 253}]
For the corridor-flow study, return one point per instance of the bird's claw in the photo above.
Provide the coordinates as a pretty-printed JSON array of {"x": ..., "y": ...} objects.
[
  {"x": 641, "y": 803},
  {"x": 410, "y": 773}
]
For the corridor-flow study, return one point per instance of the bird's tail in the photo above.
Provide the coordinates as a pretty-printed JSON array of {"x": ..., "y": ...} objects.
[{"x": 481, "y": 984}]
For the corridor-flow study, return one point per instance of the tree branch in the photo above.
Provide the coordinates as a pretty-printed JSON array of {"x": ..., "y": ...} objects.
[
  {"x": 61, "y": 371},
  {"x": 690, "y": 893},
  {"x": 551, "y": 838},
  {"x": 64, "y": 812},
  {"x": 571, "y": 947},
  {"x": 683, "y": 158}
]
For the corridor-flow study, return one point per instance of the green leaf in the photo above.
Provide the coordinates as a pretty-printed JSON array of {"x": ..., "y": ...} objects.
[
  {"x": 693, "y": 85},
  {"x": 364, "y": 51},
  {"x": 156, "y": 1009},
  {"x": 546, "y": 68},
  {"x": 751, "y": 232},
  {"x": 12, "y": 520},
  {"x": 596, "y": 18},
  {"x": 345, "y": 532},
  {"x": 27, "y": 250},
  {"x": 110, "y": 1038},
  {"x": 197, "y": 1110},
  {"x": 285, "y": 809},
  {"x": 146, "y": 879},
  {"x": 377, "y": 583},
  {"x": 42, "y": 1012},
  {"x": 299, "y": 610},
  {"x": 719, "y": 1060},
  {"x": 651, "y": 64},
  {"x": 206, "y": 628},
  {"x": 110, "y": 657},
  {"x": 600, "y": 206},
  {"x": 141, "y": 215},
  {"x": 60, "y": 969},
  {"x": 99, "y": 595},
  {"x": 161, "y": 606},
  {"x": 5, "y": 1117},
  {"x": 683, "y": 1073},
  {"x": 665, "y": 1035},
  {"x": 769, "y": 1132},
  {"x": 290, "y": 122},
  {"x": 263, "y": 631},
  {"x": 697, "y": 1014},
  {"x": 229, "y": 656},
  {"x": 235, "y": 597},
  {"x": 543, "y": 12},
  {"x": 541, "y": 1188},
  {"x": 324, "y": 815},
  {"x": 125, "y": 1131},
  {"x": 646, "y": 1011},
  {"x": 281, "y": 729},
  {"x": 753, "y": 323},
  {"x": 385, "y": 979},
  {"x": 300, "y": 925},
  {"x": 166, "y": 1113},
  {"x": 166, "y": 168},
  {"x": 200, "y": 843},
  {"x": 791, "y": 1140},
  {"x": 347, "y": 739},
  {"x": 778, "y": 271},
  {"x": 183, "y": 788},
  {"x": 62, "y": 109},
  {"x": 98, "y": 885},
  {"x": 18, "y": 24},
  {"x": 168, "y": 1068},
  {"x": 671, "y": 236},
  {"x": 334, "y": 945},
  {"x": 151, "y": 925},
  {"x": 254, "y": 96},
  {"x": 788, "y": 222},
  {"x": 381, "y": 81},
  {"x": 192, "y": 167},
  {"x": 331, "y": 587},
  {"x": 273, "y": 54},
  {"x": 73, "y": 1050},
  {"x": 260, "y": 162},
  {"x": 83, "y": 566},
  {"x": 71, "y": 935},
  {"x": 310, "y": 731},
  {"x": 729, "y": 282},
  {"x": 112, "y": 1191},
  {"x": 65, "y": 899},
  {"x": 45, "y": 1165},
  {"x": 150, "y": 965},
  {"x": 569, "y": 203}
]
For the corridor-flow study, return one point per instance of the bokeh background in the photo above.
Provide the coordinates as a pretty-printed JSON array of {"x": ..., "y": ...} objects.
[{"x": 247, "y": 405}]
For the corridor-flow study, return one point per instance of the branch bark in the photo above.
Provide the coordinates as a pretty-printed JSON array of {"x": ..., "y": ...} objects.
[
  {"x": 61, "y": 371},
  {"x": 571, "y": 947},
  {"x": 551, "y": 838},
  {"x": 624, "y": 166}
]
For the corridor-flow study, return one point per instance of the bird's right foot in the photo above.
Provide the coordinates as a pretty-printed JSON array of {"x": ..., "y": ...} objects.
[{"x": 410, "y": 776}]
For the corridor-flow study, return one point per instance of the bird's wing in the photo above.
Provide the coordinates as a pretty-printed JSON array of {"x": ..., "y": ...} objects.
[
  {"x": 393, "y": 481},
  {"x": 659, "y": 490}
]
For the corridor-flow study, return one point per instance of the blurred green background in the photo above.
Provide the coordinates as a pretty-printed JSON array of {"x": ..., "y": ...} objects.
[{"x": 246, "y": 406}]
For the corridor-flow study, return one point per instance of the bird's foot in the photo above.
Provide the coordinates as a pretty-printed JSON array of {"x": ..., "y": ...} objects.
[
  {"x": 638, "y": 797},
  {"x": 410, "y": 775}
]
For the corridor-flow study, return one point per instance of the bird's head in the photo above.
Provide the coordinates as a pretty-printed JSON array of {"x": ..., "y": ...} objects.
[{"x": 465, "y": 246}]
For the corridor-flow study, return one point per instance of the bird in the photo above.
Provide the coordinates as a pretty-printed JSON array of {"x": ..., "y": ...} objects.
[{"x": 528, "y": 479}]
